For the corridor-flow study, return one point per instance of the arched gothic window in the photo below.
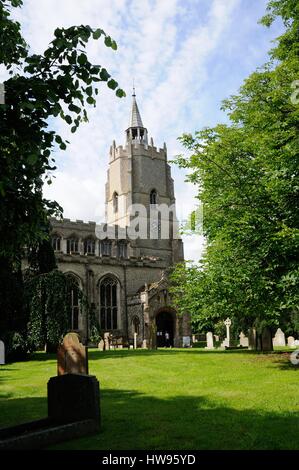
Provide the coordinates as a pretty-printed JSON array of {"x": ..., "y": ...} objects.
[
  {"x": 72, "y": 245},
  {"x": 89, "y": 246},
  {"x": 56, "y": 242},
  {"x": 105, "y": 247},
  {"x": 108, "y": 303},
  {"x": 74, "y": 301},
  {"x": 153, "y": 197},
  {"x": 115, "y": 202}
]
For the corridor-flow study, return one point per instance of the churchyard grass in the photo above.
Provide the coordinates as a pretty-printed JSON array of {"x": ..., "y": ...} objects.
[{"x": 172, "y": 399}]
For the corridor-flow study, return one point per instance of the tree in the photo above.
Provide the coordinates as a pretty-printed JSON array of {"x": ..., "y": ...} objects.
[
  {"x": 59, "y": 83},
  {"x": 247, "y": 174}
]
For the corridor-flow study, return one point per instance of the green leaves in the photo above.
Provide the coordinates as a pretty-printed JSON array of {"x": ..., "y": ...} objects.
[
  {"x": 109, "y": 42},
  {"x": 248, "y": 179},
  {"x": 97, "y": 33},
  {"x": 112, "y": 84}
]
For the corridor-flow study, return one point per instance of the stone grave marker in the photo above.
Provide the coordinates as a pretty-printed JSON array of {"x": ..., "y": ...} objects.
[
  {"x": 279, "y": 338},
  {"x": 243, "y": 340},
  {"x": 107, "y": 341},
  {"x": 291, "y": 342},
  {"x": 2, "y": 353},
  {"x": 210, "y": 340},
  {"x": 101, "y": 345},
  {"x": 226, "y": 342},
  {"x": 72, "y": 356}
]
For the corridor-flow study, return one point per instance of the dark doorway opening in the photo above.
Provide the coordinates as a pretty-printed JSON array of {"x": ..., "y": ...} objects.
[{"x": 164, "y": 322}]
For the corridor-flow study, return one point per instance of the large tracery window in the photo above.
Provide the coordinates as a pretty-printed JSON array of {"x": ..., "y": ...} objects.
[
  {"x": 74, "y": 302},
  {"x": 108, "y": 303}
]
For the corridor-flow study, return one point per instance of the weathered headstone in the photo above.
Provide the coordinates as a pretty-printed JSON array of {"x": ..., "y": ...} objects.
[
  {"x": 186, "y": 341},
  {"x": 144, "y": 344},
  {"x": 2, "y": 353},
  {"x": 252, "y": 341},
  {"x": 101, "y": 345},
  {"x": 243, "y": 340},
  {"x": 210, "y": 341},
  {"x": 291, "y": 342},
  {"x": 107, "y": 341},
  {"x": 279, "y": 338},
  {"x": 216, "y": 337},
  {"x": 226, "y": 342},
  {"x": 72, "y": 356}
]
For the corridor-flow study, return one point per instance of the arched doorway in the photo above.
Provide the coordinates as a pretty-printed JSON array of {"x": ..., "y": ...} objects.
[{"x": 165, "y": 329}]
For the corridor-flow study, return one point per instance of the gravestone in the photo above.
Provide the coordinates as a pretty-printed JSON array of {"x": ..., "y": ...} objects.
[
  {"x": 243, "y": 340},
  {"x": 216, "y": 337},
  {"x": 101, "y": 345},
  {"x": 107, "y": 341},
  {"x": 144, "y": 344},
  {"x": 210, "y": 342},
  {"x": 72, "y": 356},
  {"x": 186, "y": 341},
  {"x": 226, "y": 342},
  {"x": 279, "y": 338},
  {"x": 2, "y": 353},
  {"x": 252, "y": 341},
  {"x": 291, "y": 342}
]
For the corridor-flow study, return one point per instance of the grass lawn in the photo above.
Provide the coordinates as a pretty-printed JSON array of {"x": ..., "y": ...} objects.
[{"x": 172, "y": 399}]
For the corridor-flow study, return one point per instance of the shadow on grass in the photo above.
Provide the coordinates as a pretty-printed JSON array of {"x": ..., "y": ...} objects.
[{"x": 131, "y": 420}]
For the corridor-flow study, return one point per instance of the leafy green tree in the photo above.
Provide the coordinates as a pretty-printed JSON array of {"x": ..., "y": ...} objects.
[
  {"x": 60, "y": 83},
  {"x": 247, "y": 174}
]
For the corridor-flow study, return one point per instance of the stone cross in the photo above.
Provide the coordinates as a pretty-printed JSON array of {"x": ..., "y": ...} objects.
[
  {"x": 72, "y": 356},
  {"x": 228, "y": 323},
  {"x": 210, "y": 340},
  {"x": 2, "y": 353}
]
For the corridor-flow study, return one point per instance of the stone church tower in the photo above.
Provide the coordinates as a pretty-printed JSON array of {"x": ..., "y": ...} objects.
[{"x": 124, "y": 276}]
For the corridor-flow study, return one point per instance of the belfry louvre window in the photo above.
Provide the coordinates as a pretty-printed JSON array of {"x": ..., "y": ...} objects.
[
  {"x": 153, "y": 197},
  {"x": 72, "y": 245},
  {"x": 108, "y": 302}
]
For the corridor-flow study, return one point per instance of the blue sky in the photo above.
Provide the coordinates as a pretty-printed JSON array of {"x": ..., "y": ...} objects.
[{"x": 186, "y": 56}]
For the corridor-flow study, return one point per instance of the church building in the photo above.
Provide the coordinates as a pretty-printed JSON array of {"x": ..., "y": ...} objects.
[{"x": 125, "y": 277}]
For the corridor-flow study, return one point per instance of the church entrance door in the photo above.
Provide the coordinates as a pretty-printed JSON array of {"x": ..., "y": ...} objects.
[{"x": 165, "y": 329}]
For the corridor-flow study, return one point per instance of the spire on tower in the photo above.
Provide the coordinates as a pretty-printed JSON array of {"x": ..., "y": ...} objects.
[
  {"x": 136, "y": 131},
  {"x": 135, "y": 120}
]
